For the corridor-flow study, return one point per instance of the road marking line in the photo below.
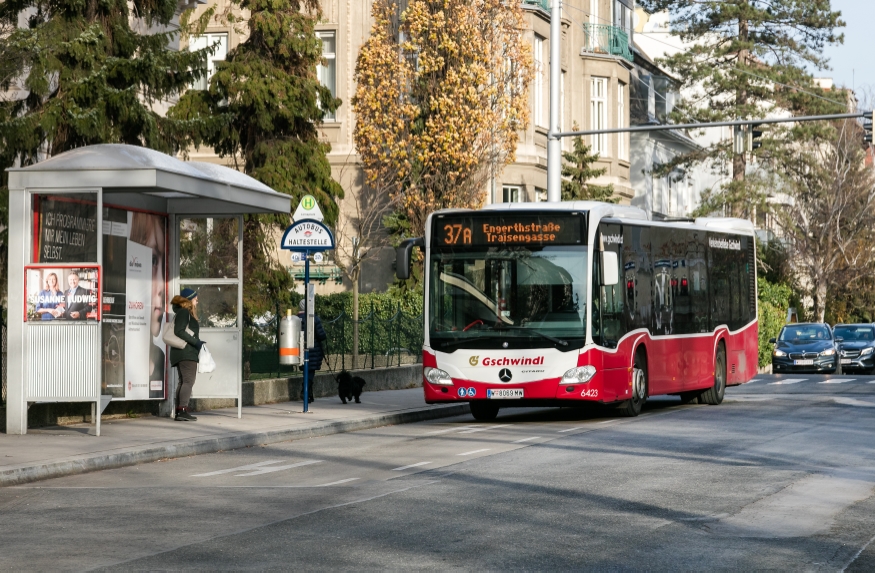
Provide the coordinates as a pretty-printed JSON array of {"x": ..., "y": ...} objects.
[
  {"x": 337, "y": 482},
  {"x": 525, "y": 440},
  {"x": 410, "y": 466},
  {"x": 754, "y": 380},
  {"x": 447, "y": 430},
  {"x": 238, "y": 469},
  {"x": 606, "y": 421},
  {"x": 837, "y": 380},
  {"x": 483, "y": 429},
  {"x": 788, "y": 381},
  {"x": 270, "y": 469},
  {"x": 571, "y": 429},
  {"x": 473, "y": 452}
]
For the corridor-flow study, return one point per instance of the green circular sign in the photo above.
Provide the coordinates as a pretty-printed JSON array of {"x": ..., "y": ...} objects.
[{"x": 308, "y": 202}]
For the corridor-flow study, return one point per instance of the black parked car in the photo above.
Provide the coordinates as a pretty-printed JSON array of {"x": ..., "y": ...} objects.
[
  {"x": 805, "y": 347},
  {"x": 857, "y": 346}
]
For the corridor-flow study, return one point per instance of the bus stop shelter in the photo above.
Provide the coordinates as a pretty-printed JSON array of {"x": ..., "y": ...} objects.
[{"x": 100, "y": 239}]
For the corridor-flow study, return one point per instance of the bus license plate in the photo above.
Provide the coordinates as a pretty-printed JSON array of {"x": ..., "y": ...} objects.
[
  {"x": 504, "y": 393},
  {"x": 847, "y": 361},
  {"x": 803, "y": 362}
]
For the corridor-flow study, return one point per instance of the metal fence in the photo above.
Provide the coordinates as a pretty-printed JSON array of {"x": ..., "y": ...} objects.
[{"x": 384, "y": 339}]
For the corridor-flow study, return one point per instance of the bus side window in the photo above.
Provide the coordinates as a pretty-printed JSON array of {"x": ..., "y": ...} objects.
[{"x": 611, "y": 297}]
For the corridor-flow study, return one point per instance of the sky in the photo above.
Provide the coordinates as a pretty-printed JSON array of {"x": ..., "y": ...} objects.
[{"x": 853, "y": 63}]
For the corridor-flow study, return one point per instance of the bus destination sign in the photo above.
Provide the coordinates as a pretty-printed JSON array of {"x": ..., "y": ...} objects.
[{"x": 508, "y": 230}]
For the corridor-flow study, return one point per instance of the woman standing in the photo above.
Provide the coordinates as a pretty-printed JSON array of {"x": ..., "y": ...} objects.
[{"x": 186, "y": 327}]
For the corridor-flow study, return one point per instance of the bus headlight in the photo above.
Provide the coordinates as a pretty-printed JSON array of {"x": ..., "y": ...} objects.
[
  {"x": 828, "y": 352},
  {"x": 437, "y": 376},
  {"x": 579, "y": 375}
]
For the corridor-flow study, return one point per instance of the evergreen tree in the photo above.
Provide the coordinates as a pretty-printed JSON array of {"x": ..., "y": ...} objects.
[
  {"x": 578, "y": 171},
  {"x": 739, "y": 54},
  {"x": 77, "y": 73},
  {"x": 262, "y": 108}
]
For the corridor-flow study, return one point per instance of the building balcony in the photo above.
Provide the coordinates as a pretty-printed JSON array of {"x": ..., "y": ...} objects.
[
  {"x": 607, "y": 40},
  {"x": 542, "y": 4}
]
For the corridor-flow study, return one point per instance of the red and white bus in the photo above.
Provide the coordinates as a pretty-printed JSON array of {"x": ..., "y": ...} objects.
[{"x": 530, "y": 304}]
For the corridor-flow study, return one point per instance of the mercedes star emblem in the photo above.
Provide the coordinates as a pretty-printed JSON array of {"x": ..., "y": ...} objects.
[{"x": 505, "y": 375}]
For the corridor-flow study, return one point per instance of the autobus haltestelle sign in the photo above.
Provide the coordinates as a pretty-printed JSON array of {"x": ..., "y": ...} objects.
[{"x": 308, "y": 236}]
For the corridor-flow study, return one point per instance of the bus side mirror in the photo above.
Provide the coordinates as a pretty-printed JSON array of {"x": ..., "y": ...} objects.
[
  {"x": 402, "y": 256},
  {"x": 610, "y": 268}
]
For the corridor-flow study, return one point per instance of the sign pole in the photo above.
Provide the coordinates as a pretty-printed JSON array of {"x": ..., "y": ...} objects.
[{"x": 306, "y": 346}]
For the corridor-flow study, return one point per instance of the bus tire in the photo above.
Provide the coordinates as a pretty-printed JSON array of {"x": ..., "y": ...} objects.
[
  {"x": 631, "y": 408},
  {"x": 483, "y": 412},
  {"x": 714, "y": 394}
]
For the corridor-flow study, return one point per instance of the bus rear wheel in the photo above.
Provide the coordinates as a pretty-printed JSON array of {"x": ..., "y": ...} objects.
[
  {"x": 714, "y": 394},
  {"x": 483, "y": 412},
  {"x": 632, "y": 407}
]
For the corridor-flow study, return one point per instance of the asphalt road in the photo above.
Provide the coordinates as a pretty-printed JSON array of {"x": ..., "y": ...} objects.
[{"x": 780, "y": 476}]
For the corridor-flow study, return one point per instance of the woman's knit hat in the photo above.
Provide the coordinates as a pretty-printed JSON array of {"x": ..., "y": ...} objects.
[{"x": 189, "y": 293}]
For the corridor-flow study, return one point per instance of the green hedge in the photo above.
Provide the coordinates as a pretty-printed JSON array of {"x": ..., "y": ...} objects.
[{"x": 774, "y": 300}]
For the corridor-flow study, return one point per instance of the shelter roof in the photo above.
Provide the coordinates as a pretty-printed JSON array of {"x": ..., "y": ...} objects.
[{"x": 143, "y": 178}]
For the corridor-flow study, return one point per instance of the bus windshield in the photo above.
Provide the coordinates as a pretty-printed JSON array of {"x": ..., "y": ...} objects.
[{"x": 511, "y": 297}]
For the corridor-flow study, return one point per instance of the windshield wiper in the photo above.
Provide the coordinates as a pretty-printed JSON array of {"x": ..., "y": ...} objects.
[{"x": 552, "y": 339}]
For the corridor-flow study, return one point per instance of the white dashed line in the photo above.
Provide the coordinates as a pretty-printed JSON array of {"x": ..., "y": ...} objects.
[
  {"x": 606, "y": 421},
  {"x": 474, "y": 452},
  {"x": 444, "y": 431},
  {"x": 483, "y": 429},
  {"x": 257, "y": 468},
  {"x": 337, "y": 482},
  {"x": 788, "y": 381},
  {"x": 410, "y": 466},
  {"x": 571, "y": 429},
  {"x": 837, "y": 380},
  {"x": 754, "y": 380},
  {"x": 526, "y": 440}
]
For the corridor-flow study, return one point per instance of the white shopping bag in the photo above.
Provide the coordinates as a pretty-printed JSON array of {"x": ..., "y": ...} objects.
[{"x": 205, "y": 362}]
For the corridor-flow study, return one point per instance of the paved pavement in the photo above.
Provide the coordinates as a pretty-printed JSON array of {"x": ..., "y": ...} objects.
[
  {"x": 67, "y": 450},
  {"x": 780, "y": 476}
]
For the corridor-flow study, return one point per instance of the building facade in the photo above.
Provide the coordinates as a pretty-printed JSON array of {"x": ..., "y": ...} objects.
[{"x": 596, "y": 61}]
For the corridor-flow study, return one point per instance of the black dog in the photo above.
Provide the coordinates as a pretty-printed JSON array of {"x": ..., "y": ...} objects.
[{"x": 349, "y": 387}]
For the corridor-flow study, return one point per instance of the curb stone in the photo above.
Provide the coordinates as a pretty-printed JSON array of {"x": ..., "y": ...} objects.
[{"x": 48, "y": 470}]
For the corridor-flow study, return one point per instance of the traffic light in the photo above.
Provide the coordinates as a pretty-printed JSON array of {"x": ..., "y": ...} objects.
[
  {"x": 754, "y": 141},
  {"x": 867, "y": 128}
]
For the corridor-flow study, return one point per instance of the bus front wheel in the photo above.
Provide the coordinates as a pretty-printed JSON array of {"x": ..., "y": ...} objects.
[
  {"x": 714, "y": 394},
  {"x": 632, "y": 407},
  {"x": 483, "y": 412}
]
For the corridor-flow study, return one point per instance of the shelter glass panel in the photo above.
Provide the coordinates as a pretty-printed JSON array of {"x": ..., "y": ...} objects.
[
  {"x": 208, "y": 248},
  {"x": 217, "y": 304}
]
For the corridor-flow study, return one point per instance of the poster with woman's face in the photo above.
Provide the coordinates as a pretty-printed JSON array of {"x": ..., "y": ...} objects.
[{"x": 134, "y": 304}]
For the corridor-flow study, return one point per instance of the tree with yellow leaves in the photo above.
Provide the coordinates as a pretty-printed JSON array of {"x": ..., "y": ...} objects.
[{"x": 442, "y": 92}]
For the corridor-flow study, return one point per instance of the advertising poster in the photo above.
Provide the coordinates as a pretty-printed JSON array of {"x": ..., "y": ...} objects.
[
  {"x": 61, "y": 294},
  {"x": 131, "y": 289},
  {"x": 133, "y": 304},
  {"x": 67, "y": 228}
]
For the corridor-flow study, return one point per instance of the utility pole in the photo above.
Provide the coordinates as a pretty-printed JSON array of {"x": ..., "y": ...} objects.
[{"x": 554, "y": 143}]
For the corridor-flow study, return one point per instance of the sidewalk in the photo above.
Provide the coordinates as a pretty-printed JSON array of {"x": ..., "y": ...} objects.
[{"x": 60, "y": 451}]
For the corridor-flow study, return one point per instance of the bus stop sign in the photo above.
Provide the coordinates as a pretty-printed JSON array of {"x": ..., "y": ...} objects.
[{"x": 307, "y": 235}]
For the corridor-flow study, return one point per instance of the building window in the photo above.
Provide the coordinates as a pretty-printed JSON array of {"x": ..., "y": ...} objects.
[
  {"x": 220, "y": 41},
  {"x": 622, "y": 138},
  {"x": 326, "y": 71},
  {"x": 512, "y": 194},
  {"x": 540, "y": 195},
  {"x": 598, "y": 114},
  {"x": 539, "y": 80}
]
